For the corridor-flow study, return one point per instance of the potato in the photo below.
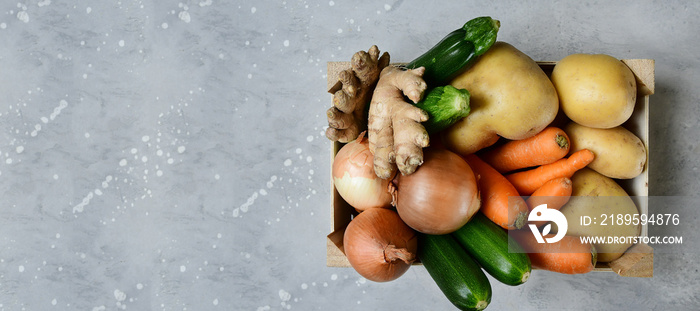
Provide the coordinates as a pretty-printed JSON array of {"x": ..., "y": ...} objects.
[
  {"x": 618, "y": 152},
  {"x": 595, "y": 90},
  {"x": 511, "y": 97},
  {"x": 601, "y": 200}
]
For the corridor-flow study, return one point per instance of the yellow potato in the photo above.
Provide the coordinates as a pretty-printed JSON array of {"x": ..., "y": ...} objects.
[
  {"x": 599, "y": 207},
  {"x": 595, "y": 90},
  {"x": 511, "y": 97},
  {"x": 618, "y": 152}
]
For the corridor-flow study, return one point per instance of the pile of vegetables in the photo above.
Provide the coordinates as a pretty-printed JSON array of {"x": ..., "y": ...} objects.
[{"x": 459, "y": 146}]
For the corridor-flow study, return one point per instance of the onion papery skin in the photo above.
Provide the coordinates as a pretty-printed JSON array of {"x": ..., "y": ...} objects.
[
  {"x": 354, "y": 177},
  {"x": 440, "y": 196},
  {"x": 379, "y": 245}
]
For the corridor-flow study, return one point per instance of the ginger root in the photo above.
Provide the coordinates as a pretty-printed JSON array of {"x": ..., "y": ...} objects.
[
  {"x": 351, "y": 94},
  {"x": 396, "y": 135}
]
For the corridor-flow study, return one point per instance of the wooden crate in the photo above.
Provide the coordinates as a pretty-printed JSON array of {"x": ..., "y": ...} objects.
[{"x": 636, "y": 262}]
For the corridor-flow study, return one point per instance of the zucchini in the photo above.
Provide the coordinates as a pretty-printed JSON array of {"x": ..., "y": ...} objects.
[
  {"x": 445, "y": 105},
  {"x": 458, "y": 276},
  {"x": 488, "y": 244},
  {"x": 457, "y": 51}
]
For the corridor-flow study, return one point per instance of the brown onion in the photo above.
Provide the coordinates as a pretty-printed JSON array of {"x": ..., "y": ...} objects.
[
  {"x": 354, "y": 177},
  {"x": 379, "y": 245},
  {"x": 440, "y": 196}
]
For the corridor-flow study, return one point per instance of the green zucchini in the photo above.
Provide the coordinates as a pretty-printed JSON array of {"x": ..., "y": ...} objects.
[
  {"x": 445, "y": 105},
  {"x": 457, "y": 51},
  {"x": 458, "y": 276},
  {"x": 488, "y": 244}
]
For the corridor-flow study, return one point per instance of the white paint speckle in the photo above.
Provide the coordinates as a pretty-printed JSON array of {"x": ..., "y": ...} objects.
[
  {"x": 284, "y": 295},
  {"x": 309, "y": 159},
  {"x": 286, "y": 43},
  {"x": 44, "y": 3},
  {"x": 121, "y": 43},
  {"x": 145, "y": 138},
  {"x": 217, "y": 176},
  {"x": 253, "y": 10},
  {"x": 340, "y": 30},
  {"x": 23, "y": 16},
  {"x": 119, "y": 295},
  {"x": 334, "y": 276},
  {"x": 331, "y": 3},
  {"x": 183, "y": 268},
  {"x": 54, "y": 302},
  {"x": 181, "y": 149},
  {"x": 139, "y": 286},
  {"x": 3, "y": 26},
  {"x": 309, "y": 138},
  {"x": 164, "y": 25},
  {"x": 55, "y": 176},
  {"x": 304, "y": 286},
  {"x": 88, "y": 10},
  {"x": 122, "y": 162},
  {"x": 56, "y": 111},
  {"x": 287, "y": 162},
  {"x": 81, "y": 206},
  {"x": 387, "y": 7},
  {"x": 19, "y": 149},
  {"x": 20, "y": 268},
  {"x": 184, "y": 16},
  {"x": 245, "y": 206},
  {"x": 215, "y": 302}
]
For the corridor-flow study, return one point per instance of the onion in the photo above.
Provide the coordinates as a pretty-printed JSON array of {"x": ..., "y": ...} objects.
[
  {"x": 379, "y": 245},
  {"x": 354, "y": 177},
  {"x": 440, "y": 196}
]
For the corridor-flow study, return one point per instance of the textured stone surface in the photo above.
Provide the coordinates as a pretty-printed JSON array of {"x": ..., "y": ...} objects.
[{"x": 170, "y": 155}]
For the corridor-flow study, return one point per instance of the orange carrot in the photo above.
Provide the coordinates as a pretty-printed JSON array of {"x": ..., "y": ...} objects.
[
  {"x": 526, "y": 182},
  {"x": 500, "y": 202},
  {"x": 549, "y": 145},
  {"x": 555, "y": 193},
  {"x": 568, "y": 256}
]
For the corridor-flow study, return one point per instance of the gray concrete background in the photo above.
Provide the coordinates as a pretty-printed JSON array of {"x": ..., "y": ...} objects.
[{"x": 169, "y": 155}]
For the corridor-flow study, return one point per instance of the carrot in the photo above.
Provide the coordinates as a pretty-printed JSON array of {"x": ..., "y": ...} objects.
[
  {"x": 500, "y": 202},
  {"x": 568, "y": 256},
  {"x": 555, "y": 193},
  {"x": 547, "y": 146},
  {"x": 526, "y": 182}
]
